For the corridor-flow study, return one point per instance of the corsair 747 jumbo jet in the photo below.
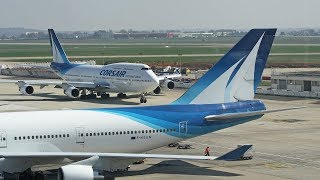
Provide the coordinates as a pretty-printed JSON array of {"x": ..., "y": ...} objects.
[
  {"x": 80, "y": 142},
  {"x": 99, "y": 80}
]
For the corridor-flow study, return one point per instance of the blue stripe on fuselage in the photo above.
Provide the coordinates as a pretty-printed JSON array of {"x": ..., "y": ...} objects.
[
  {"x": 169, "y": 116},
  {"x": 63, "y": 68}
]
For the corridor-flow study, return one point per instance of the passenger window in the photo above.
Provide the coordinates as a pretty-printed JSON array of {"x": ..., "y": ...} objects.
[
  {"x": 135, "y": 132},
  {"x": 63, "y": 135},
  {"x": 120, "y": 132},
  {"x": 128, "y": 132},
  {"x": 109, "y": 133},
  {"x": 124, "y": 132},
  {"x": 87, "y": 134},
  {"x": 36, "y": 137},
  {"x": 15, "y": 138},
  {"x": 131, "y": 132},
  {"x": 138, "y": 132},
  {"x": 56, "y": 136},
  {"x": 32, "y": 137},
  {"x": 142, "y": 131},
  {"x": 101, "y": 134},
  {"x": 59, "y": 135},
  {"x": 24, "y": 137},
  {"x": 90, "y": 134},
  {"x": 117, "y": 133},
  {"x": 94, "y": 134},
  {"x": 44, "y": 136},
  {"x": 98, "y": 134},
  {"x": 105, "y": 133},
  {"x": 144, "y": 68},
  {"x": 19, "y": 137},
  {"x": 52, "y": 136},
  {"x": 81, "y": 135},
  {"x": 157, "y": 130},
  {"x": 112, "y": 133}
]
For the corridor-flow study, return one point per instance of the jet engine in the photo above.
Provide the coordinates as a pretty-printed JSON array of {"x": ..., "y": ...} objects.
[
  {"x": 72, "y": 92},
  {"x": 26, "y": 89},
  {"x": 168, "y": 84},
  {"x": 79, "y": 172}
]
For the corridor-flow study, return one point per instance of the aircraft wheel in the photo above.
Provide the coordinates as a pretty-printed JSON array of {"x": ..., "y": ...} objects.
[
  {"x": 121, "y": 95},
  {"x": 105, "y": 96},
  {"x": 39, "y": 176},
  {"x": 83, "y": 96}
]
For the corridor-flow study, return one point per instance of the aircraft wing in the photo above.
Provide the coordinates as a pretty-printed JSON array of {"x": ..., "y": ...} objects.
[
  {"x": 81, "y": 155},
  {"x": 232, "y": 155},
  {"x": 245, "y": 114},
  {"x": 168, "y": 76},
  {"x": 61, "y": 83}
]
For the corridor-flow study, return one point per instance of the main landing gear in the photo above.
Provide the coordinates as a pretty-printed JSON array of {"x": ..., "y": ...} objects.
[
  {"x": 93, "y": 95},
  {"x": 121, "y": 95},
  {"x": 143, "y": 98}
]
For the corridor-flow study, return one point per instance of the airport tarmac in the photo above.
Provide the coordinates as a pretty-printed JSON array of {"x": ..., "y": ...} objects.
[{"x": 287, "y": 144}]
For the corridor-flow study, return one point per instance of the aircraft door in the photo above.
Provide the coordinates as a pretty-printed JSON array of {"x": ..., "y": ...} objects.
[
  {"x": 80, "y": 135},
  {"x": 183, "y": 128},
  {"x": 3, "y": 139}
]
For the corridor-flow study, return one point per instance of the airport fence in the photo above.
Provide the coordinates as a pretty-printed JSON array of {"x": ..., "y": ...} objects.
[{"x": 280, "y": 92}]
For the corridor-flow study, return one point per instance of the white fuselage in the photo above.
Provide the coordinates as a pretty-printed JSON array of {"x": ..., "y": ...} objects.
[
  {"x": 54, "y": 131},
  {"x": 118, "y": 77}
]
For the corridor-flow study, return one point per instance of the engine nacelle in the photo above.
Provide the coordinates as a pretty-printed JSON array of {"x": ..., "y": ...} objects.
[
  {"x": 79, "y": 172},
  {"x": 26, "y": 89},
  {"x": 157, "y": 90},
  {"x": 72, "y": 92},
  {"x": 169, "y": 84}
]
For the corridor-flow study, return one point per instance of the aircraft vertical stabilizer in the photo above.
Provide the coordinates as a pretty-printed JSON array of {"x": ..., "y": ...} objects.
[
  {"x": 235, "y": 77},
  {"x": 59, "y": 56}
]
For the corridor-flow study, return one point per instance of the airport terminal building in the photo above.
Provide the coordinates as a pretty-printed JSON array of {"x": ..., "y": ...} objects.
[{"x": 300, "y": 84}]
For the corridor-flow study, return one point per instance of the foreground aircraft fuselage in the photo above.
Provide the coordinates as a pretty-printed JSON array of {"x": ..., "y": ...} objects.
[{"x": 121, "y": 130}]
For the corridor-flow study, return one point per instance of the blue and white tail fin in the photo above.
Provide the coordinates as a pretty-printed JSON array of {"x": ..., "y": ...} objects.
[
  {"x": 59, "y": 56},
  {"x": 236, "y": 75}
]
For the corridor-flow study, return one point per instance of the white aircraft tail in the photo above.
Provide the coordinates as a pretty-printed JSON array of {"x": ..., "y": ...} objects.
[
  {"x": 59, "y": 56},
  {"x": 236, "y": 75}
]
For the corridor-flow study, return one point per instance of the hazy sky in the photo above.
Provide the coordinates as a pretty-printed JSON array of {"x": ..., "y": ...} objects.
[{"x": 158, "y": 14}]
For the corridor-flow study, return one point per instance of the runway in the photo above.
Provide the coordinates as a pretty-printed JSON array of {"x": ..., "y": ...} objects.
[{"x": 148, "y": 56}]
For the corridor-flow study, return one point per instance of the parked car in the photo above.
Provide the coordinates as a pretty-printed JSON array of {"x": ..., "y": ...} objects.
[
  {"x": 173, "y": 144},
  {"x": 184, "y": 146}
]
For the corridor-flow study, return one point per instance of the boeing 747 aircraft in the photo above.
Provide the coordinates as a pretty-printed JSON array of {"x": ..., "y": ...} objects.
[
  {"x": 97, "y": 79},
  {"x": 80, "y": 142}
]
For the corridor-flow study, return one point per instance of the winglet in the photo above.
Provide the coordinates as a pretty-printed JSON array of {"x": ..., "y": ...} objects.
[
  {"x": 59, "y": 56},
  {"x": 235, "y": 154}
]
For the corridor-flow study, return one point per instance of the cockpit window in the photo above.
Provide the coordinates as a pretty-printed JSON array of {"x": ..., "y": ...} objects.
[{"x": 144, "y": 68}]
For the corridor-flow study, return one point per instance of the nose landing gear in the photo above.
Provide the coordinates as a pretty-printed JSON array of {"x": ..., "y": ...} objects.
[{"x": 143, "y": 98}]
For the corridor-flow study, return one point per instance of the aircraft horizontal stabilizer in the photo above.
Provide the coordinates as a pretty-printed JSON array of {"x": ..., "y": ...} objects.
[
  {"x": 245, "y": 114},
  {"x": 235, "y": 154}
]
